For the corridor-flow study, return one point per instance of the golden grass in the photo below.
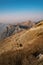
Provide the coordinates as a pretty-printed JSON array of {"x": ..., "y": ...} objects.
[{"x": 22, "y": 48}]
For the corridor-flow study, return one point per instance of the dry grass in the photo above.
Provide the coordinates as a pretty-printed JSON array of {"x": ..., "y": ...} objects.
[{"x": 23, "y": 48}]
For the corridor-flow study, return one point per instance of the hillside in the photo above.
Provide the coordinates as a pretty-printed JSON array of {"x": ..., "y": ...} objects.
[
  {"x": 7, "y": 30},
  {"x": 24, "y": 48}
]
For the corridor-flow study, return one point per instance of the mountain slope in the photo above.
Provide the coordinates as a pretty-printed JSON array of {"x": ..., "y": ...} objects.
[
  {"x": 23, "y": 49},
  {"x": 7, "y": 30}
]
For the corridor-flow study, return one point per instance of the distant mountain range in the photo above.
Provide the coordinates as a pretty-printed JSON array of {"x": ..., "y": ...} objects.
[{"x": 7, "y": 30}]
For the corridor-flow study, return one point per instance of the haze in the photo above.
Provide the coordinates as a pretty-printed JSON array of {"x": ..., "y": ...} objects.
[{"x": 20, "y": 10}]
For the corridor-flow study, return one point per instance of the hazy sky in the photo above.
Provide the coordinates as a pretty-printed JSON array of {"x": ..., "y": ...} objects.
[{"x": 17, "y": 10}]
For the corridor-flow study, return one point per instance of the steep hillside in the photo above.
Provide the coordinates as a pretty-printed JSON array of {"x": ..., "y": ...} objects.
[
  {"x": 7, "y": 30},
  {"x": 24, "y": 48}
]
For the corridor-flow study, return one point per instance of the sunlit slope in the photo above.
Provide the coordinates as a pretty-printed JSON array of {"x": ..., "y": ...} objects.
[
  {"x": 24, "y": 38},
  {"x": 31, "y": 34},
  {"x": 23, "y": 48}
]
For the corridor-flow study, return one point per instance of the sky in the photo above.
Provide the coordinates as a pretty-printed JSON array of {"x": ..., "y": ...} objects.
[{"x": 20, "y": 10}]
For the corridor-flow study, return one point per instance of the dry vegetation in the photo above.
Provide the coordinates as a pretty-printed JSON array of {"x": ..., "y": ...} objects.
[{"x": 23, "y": 48}]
